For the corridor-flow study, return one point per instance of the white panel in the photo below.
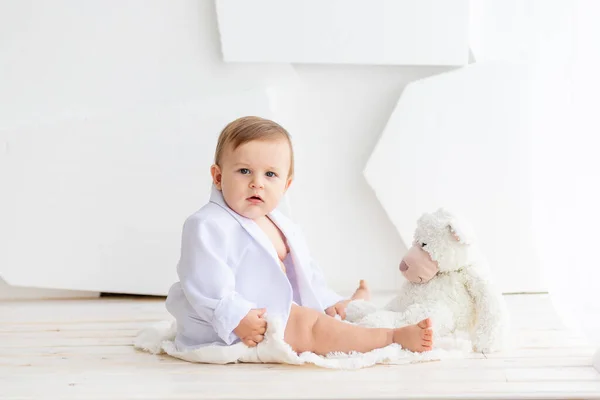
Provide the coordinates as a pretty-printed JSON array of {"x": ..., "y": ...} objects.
[
  {"x": 402, "y": 32},
  {"x": 98, "y": 204},
  {"x": 8, "y": 292},
  {"x": 80, "y": 83},
  {"x": 336, "y": 118},
  {"x": 72, "y": 59},
  {"x": 461, "y": 140},
  {"x": 530, "y": 31}
]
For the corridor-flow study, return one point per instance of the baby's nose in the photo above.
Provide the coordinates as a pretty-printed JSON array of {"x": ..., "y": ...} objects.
[{"x": 403, "y": 266}]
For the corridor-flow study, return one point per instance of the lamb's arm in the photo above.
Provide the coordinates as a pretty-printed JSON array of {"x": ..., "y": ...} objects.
[{"x": 491, "y": 317}]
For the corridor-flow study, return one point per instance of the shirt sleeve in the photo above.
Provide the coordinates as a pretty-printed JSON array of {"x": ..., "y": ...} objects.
[{"x": 208, "y": 282}]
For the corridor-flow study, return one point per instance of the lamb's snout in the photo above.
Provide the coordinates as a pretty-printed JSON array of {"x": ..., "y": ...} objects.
[
  {"x": 403, "y": 266},
  {"x": 417, "y": 265}
]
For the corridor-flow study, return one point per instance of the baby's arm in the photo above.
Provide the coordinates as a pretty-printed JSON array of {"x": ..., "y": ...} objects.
[{"x": 207, "y": 281}]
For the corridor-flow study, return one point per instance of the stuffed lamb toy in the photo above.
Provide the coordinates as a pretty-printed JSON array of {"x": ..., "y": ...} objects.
[{"x": 448, "y": 281}]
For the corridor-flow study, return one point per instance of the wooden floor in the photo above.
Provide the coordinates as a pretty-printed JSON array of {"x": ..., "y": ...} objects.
[{"x": 81, "y": 349}]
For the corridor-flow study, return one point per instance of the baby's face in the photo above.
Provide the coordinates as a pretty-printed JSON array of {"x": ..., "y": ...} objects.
[{"x": 254, "y": 177}]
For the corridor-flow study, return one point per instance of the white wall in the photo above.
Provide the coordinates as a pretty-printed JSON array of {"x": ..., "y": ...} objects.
[
  {"x": 372, "y": 32},
  {"x": 467, "y": 133},
  {"x": 568, "y": 170},
  {"x": 558, "y": 39},
  {"x": 70, "y": 60},
  {"x": 116, "y": 75},
  {"x": 337, "y": 119}
]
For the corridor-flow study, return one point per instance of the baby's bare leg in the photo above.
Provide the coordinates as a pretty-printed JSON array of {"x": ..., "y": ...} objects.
[
  {"x": 362, "y": 293},
  {"x": 310, "y": 330}
]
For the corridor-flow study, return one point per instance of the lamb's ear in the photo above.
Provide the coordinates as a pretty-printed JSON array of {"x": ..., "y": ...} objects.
[{"x": 461, "y": 231}]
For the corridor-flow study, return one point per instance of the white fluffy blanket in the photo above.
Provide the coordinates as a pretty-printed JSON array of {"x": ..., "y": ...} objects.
[{"x": 159, "y": 339}]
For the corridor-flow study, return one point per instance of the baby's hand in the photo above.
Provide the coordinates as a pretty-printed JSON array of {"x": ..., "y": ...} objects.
[
  {"x": 252, "y": 327},
  {"x": 338, "y": 308}
]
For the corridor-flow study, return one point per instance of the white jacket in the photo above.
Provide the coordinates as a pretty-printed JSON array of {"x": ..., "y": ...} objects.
[{"x": 228, "y": 266}]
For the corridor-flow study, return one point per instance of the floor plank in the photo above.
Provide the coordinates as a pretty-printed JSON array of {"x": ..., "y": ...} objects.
[{"x": 81, "y": 349}]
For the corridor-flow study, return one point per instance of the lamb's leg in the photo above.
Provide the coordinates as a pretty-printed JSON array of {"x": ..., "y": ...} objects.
[
  {"x": 383, "y": 319},
  {"x": 359, "y": 304},
  {"x": 442, "y": 318},
  {"x": 490, "y": 332},
  {"x": 358, "y": 309}
]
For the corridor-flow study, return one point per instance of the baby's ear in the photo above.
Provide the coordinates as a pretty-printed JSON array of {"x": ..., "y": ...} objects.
[
  {"x": 215, "y": 172},
  {"x": 288, "y": 183}
]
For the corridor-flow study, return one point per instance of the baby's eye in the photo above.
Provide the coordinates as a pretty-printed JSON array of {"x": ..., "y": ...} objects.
[
  {"x": 244, "y": 171},
  {"x": 271, "y": 174}
]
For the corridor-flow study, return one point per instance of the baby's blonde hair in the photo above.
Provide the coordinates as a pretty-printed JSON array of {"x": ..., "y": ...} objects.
[{"x": 247, "y": 129}]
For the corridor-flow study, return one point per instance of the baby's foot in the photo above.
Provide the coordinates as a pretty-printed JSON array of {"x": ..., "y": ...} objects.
[
  {"x": 418, "y": 337},
  {"x": 363, "y": 292}
]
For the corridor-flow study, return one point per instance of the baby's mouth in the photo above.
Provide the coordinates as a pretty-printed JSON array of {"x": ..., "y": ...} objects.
[{"x": 255, "y": 199}]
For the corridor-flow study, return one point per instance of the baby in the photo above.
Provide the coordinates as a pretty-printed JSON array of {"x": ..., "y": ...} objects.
[{"x": 240, "y": 257}]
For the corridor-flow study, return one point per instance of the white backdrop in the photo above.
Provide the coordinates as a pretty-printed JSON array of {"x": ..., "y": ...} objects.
[
  {"x": 96, "y": 68},
  {"x": 375, "y": 32},
  {"x": 461, "y": 141},
  {"x": 98, "y": 204}
]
